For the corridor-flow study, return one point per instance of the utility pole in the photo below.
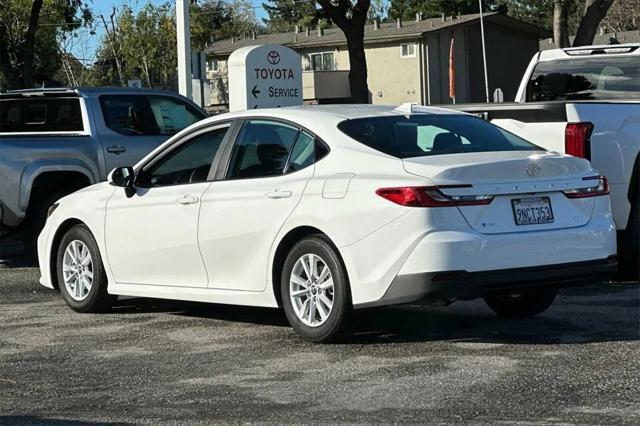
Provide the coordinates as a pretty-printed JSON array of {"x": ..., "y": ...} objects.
[
  {"x": 484, "y": 54},
  {"x": 184, "y": 47}
]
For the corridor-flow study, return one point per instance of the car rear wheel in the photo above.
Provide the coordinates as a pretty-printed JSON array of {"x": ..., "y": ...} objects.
[
  {"x": 522, "y": 305},
  {"x": 81, "y": 276},
  {"x": 315, "y": 291}
]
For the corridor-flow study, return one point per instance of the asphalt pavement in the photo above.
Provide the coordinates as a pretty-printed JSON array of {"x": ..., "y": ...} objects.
[{"x": 162, "y": 362}]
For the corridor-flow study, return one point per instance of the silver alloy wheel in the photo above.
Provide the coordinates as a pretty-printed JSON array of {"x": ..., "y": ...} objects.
[
  {"x": 311, "y": 290},
  {"x": 77, "y": 270}
]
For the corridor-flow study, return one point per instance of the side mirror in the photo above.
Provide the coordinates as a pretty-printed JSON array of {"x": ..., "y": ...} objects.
[{"x": 123, "y": 177}]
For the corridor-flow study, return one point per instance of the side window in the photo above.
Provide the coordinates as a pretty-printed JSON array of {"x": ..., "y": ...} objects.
[
  {"x": 303, "y": 153},
  {"x": 261, "y": 150},
  {"x": 145, "y": 115},
  {"x": 129, "y": 115},
  {"x": 172, "y": 115},
  {"x": 41, "y": 115},
  {"x": 188, "y": 163}
]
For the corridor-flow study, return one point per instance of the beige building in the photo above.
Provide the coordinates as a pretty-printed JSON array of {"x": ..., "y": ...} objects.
[{"x": 406, "y": 61}]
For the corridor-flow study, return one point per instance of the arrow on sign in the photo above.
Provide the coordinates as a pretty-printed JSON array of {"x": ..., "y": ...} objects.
[{"x": 255, "y": 92}]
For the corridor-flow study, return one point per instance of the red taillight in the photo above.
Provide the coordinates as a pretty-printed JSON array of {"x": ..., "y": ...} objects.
[
  {"x": 601, "y": 188},
  {"x": 577, "y": 139},
  {"x": 431, "y": 196}
]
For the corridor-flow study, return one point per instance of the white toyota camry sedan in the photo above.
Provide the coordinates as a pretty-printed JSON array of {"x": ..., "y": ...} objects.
[{"x": 322, "y": 210}]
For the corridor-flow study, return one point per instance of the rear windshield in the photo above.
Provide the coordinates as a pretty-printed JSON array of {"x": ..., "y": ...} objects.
[
  {"x": 422, "y": 135},
  {"x": 602, "y": 78},
  {"x": 40, "y": 115}
]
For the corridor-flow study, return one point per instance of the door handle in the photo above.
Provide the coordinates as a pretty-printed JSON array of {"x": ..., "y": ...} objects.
[
  {"x": 279, "y": 193},
  {"x": 116, "y": 149},
  {"x": 187, "y": 199}
]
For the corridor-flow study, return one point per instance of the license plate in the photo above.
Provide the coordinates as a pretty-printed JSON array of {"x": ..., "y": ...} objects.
[{"x": 532, "y": 211}]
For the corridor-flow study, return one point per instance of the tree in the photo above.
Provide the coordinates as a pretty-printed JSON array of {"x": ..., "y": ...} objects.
[
  {"x": 407, "y": 9},
  {"x": 595, "y": 11},
  {"x": 582, "y": 15},
  {"x": 283, "y": 15},
  {"x": 579, "y": 17},
  {"x": 351, "y": 19},
  {"x": 28, "y": 30},
  {"x": 377, "y": 10},
  {"x": 561, "y": 23},
  {"x": 141, "y": 45},
  {"x": 623, "y": 15},
  {"x": 539, "y": 13},
  {"x": 73, "y": 70},
  {"x": 213, "y": 20}
]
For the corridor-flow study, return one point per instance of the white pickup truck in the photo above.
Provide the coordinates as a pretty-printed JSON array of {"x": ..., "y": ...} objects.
[{"x": 585, "y": 101}]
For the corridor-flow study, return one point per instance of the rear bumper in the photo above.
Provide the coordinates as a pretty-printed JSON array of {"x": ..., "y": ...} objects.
[{"x": 412, "y": 288}]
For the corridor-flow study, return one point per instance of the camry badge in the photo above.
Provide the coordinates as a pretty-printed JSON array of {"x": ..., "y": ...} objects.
[{"x": 533, "y": 170}]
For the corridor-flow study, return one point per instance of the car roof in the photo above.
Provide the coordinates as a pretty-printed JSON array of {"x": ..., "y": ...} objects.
[
  {"x": 340, "y": 112},
  {"x": 84, "y": 92}
]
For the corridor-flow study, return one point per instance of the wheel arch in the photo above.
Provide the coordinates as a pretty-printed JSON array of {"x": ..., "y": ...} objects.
[
  {"x": 71, "y": 174},
  {"x": 55, "y": 244},
  {"x": 287, "y": 242}
]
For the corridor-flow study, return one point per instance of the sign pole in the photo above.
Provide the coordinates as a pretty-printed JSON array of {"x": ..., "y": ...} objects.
[
  {"x": 183, "y": 36},
  {"x": 484, "y": 54}
]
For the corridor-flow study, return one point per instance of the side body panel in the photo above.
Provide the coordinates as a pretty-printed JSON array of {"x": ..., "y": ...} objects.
[
  {"x": 238, "y": 223},
  {"x": 615, "y": 146},
  {"x": 25, "y": 157},
  {"x": 152, "y": 237}
]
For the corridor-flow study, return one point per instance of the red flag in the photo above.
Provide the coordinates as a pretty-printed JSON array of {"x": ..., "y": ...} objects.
[{"x": 452, "y": 72}]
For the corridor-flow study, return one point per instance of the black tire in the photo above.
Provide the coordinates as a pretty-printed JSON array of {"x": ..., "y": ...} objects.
[
  {"x": 523, "y": 304},
  {"x": 338, "y": 324},
  {"x": 35, "y": 218},
  {"x": 97, "y": 299},
  {"x": 629, "y": 267}
]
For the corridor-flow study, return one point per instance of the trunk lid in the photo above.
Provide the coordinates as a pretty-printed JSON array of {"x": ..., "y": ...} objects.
[{"x": 527, "y": 188}]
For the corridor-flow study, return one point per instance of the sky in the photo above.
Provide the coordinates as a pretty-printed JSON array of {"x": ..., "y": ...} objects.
[{"x": 85, "y": 48}]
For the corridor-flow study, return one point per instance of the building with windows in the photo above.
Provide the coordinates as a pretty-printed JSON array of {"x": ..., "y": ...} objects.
[{"x": 407, "y": 61}]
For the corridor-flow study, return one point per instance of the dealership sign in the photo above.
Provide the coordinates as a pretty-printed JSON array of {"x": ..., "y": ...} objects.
[{"x": 264, "y": 76}]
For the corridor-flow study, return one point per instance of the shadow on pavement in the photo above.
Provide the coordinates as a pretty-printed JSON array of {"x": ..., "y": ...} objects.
[
  {"x": 12, "y": 255},
  {"x": 240, "y": 314},
  {"x": 601, "y": 313},
  {"x": 41, "y": 421}
]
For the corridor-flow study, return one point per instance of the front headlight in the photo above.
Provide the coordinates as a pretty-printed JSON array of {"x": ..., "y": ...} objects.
[{"x": 52, "y": 209}]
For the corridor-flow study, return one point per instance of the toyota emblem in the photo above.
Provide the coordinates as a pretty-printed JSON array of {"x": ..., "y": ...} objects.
[
  {"x": 533, "y": 170},
  {"x": 273, "y": 57}
]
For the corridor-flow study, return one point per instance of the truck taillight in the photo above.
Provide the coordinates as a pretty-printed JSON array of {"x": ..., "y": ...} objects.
[
  {"x": 431, "y": 196},
  {"x": 600, "y": 187},
  {"x": 577, "y": 139}
]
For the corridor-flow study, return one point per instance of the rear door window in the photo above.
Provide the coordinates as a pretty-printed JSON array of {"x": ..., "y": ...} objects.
[
  {"x": 600, "y": 78},
  {"x": 147, "y": 115},
  {"x": 40, "y": 115},
  {"x": 261, "y": 150},
  {"x": 428, "y": 134},
  {"x": 303, "y": 153}
]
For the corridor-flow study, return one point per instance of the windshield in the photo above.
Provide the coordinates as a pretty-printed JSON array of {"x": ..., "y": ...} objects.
[
  {"x": 602, "y": 78},
  {"x": 423, "y": 135}
]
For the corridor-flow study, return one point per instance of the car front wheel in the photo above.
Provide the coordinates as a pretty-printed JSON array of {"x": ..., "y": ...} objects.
[
  {"x": 522, "y": 305},
  {"x": 315, "y": 291},
  {"x": 81, "y": 276}
]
